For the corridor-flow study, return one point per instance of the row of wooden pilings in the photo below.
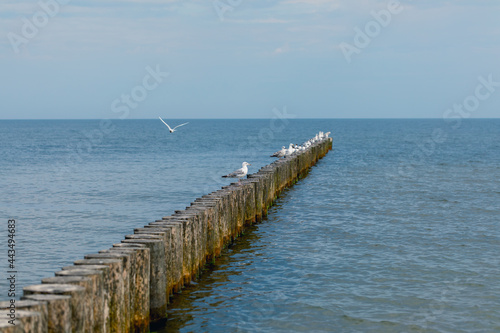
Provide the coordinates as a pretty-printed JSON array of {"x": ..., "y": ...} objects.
[{"x": 124, "y": 288}]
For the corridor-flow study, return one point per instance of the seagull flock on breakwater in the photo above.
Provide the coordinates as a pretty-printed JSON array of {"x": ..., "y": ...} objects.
[
  {"x": 284, "y": 152},
  {"x": 292, "y": 148}
]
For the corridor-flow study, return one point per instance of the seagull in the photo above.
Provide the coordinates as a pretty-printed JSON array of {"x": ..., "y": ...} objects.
[
  {"x": 280, "y": 153},
  {"x": 172, "y": 130},
  {"x": 290, "y": 150},
  {"x": 238, "y": 173}
]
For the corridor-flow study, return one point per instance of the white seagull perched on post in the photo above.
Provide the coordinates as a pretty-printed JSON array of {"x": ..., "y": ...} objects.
[
  {"x": 172, "y": 130},
  {"x": 280, "y": 153},
  {"x": 290, "y": 150},
  {"x": 238, "y": 173}
]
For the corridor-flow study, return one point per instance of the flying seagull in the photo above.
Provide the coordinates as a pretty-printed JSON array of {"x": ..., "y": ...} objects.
[
  {"x": 239, "y": 173},
  {"x": 172, "y": 130}
]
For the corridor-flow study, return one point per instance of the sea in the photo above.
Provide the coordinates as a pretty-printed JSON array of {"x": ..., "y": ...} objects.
[{"x": 397, "y": 229}]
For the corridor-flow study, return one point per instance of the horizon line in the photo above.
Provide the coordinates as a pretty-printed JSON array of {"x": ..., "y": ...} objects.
[{"x": 296, "y": 118}]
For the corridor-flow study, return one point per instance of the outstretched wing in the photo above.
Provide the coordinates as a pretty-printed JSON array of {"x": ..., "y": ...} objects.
[
  {"x": 180, "y": 125},
  {"x": 165, "y": 124}
]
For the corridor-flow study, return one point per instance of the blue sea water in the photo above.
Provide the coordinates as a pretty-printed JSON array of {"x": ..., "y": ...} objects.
[{"x": 395, "y": 230}]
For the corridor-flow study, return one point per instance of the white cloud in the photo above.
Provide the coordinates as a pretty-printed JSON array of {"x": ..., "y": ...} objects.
[{"x": 283, "y": 49}]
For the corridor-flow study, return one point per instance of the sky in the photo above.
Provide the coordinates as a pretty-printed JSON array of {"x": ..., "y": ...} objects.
[{"x": 140, "y": 59}]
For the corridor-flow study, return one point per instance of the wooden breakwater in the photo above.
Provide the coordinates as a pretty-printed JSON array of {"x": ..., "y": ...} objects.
[{"x": 126, "y": 287}]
